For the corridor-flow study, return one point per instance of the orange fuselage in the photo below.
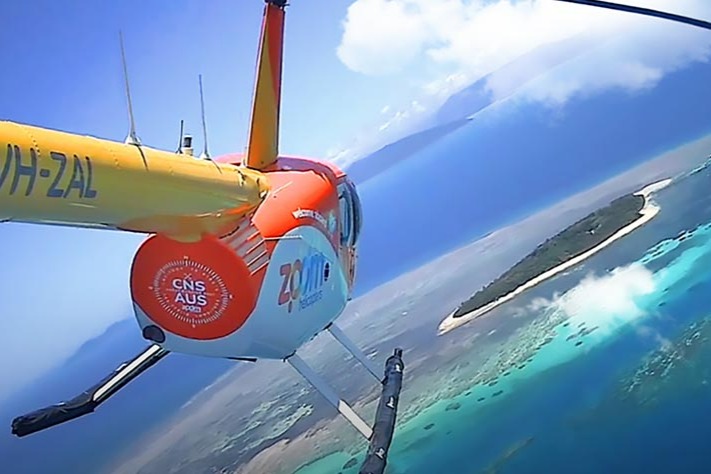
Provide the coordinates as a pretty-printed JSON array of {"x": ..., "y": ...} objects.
[
  {"x": 263, "y": 289},
  {"x": 249, "y": 256}
]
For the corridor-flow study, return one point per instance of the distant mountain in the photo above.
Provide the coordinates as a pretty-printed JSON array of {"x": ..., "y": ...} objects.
[
  {"x": 502, "y": 166},
  {"x": 145, "y": 402},
  {"x": 465, "y": 103},
  {"x": 455, "y": 112},
  {"x": 90, "y": 363},
  {"x": 510, "y": 78},
  {"x": 394, "y": 153}
]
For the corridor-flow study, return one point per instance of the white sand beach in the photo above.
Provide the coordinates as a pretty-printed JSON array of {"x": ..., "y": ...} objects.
[{"x": 647, "y": 213}]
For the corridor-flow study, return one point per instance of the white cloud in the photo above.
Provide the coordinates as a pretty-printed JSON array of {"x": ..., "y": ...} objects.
[
  {"x": 384, "y": 36},
  {"x": 459, "y": 41},
  {"x": 444, "y": 87},
  {"x": 376, "y": 25},
  {"x": 647, "y": 332},
  {"x": 608, "y": 301},
  {"x": 394, "y": 123},
  {"x": 633, "y": 62}
]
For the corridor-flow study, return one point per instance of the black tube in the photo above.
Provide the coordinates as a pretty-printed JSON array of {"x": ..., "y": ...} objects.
[
  {"x": 90, "y": 399},
  {"x": 385, "y": 416},
  {"x": 54, "y": 415}
]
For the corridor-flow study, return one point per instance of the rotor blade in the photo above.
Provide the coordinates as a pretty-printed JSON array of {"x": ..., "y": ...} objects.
[
  {"x": 643, "y": 11},
  {"x": 90, "y": 399}
]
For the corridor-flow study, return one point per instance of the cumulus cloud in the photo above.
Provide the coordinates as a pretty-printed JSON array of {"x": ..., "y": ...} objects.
[
  {"x": 460, "y": 41},
  {"x": 608, "y": 301},
  {"x": 610, "y": 298},
  {"x": 634, "y": 62},
  {"x": 384, "y": 36}
]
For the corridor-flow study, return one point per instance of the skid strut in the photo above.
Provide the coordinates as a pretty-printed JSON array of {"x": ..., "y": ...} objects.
[
  {"x": 324, "y": 389},
  {"x": 381, "y": 434},
  {"x": 353, "y": 349}
]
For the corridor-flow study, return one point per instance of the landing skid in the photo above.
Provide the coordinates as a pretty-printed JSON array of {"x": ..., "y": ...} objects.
[
  {"x": 90, "y": 399},
  {"x": 381, "y": 433}
]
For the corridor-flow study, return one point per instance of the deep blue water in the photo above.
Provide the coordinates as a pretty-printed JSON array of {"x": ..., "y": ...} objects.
[
  {"x": 507, "y": 164},
  {"x": 590, "y": 429}
]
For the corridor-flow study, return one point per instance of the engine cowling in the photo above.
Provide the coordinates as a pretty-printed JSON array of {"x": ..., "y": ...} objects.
[{"x": 195, "y": 290}]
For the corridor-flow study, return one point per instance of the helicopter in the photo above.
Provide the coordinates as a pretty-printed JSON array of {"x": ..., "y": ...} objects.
[{"x": 248, "y": 256}]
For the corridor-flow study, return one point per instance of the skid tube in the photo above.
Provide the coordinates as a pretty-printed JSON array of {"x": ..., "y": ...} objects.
[
  {"x": 385, "y": 416},
  {"x": 89, "y": 400},
  {"x": 381, "y": 434}
]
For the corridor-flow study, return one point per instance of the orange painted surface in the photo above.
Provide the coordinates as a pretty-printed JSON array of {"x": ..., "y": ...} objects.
[
  {"x": 299, "y": 191},
  {"x": 275, "y": 46},
  {"x": 263, "y": 147},
  {"x": 200, "y": 290}
]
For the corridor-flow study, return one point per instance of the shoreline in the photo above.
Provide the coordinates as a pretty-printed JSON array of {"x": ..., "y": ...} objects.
[{"x": 647, "y": 213}]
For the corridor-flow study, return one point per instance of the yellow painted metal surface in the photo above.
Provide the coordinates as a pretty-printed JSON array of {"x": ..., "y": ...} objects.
[{"x": 53, "y": 177}]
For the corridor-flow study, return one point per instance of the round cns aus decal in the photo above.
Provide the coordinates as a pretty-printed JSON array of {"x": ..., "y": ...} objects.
[
  {"x": 191, "y": 292},
  {"x": 196, "y": 290}
]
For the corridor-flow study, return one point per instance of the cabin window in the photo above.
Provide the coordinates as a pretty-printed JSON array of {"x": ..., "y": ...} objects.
[
  {"x": 345, "y": 219},
  {"x": 356, "y": 211},
  {"x": 350, "y": 213}
]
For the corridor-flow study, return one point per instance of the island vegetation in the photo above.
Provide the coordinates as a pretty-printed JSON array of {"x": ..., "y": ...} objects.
[{"x": 576, "y": 239}]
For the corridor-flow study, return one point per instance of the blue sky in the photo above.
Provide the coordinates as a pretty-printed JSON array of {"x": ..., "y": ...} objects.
[{"x": 358, "y": 73}]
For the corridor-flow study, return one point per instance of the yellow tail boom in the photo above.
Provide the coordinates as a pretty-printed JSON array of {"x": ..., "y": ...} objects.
[{"x": 52, "y": 177}]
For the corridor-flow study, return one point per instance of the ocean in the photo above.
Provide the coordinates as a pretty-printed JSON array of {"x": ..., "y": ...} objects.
[{"x": 604, "y": 369}]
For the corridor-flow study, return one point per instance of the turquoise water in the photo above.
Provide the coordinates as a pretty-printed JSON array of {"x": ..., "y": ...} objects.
[{"x": 565, "y": 397}]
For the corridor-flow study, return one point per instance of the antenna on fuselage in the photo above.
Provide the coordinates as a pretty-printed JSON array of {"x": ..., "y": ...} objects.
[
  {"x": 205, "y": 155},
  {"x": 180, "y": 138},
  {"x": 132, "y": 138}
]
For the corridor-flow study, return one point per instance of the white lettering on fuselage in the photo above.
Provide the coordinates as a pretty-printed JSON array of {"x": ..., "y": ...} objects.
[{"x": 190, "y": 293}]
